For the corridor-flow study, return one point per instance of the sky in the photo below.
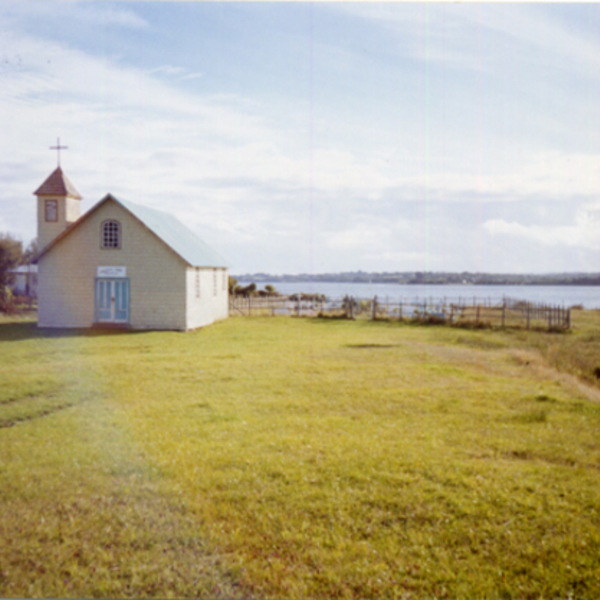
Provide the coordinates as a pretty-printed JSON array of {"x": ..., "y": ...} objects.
[{"x": 318, "y": 137}]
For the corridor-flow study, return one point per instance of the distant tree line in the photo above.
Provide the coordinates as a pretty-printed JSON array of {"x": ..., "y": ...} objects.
[{"x": 432, "y": 277}]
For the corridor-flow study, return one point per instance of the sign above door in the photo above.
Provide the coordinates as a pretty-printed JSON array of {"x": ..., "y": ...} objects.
[{"x": 112, "y": 272}]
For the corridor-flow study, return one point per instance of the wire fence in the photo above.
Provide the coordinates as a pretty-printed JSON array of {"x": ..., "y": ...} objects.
[{"x": 478, "y": 312}]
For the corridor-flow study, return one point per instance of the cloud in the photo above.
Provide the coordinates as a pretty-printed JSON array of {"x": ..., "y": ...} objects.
[
  {"x": 476, "y": 36},
  {"x": 58, "y": 85},
  {"x": 192, "y": 76},
  {"x": 179, "y": 73},
  {"x": 583, "y": 233},
  {"x": 108, "y": 15},
  {"x": 549, "y": 236},
  {"x": 358, "y": 237},
  {"x": 97, "y": 14},
  {"x": 167, "y": 70}
]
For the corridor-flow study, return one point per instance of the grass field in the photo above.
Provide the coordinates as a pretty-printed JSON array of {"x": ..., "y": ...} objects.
[{"x": 283, "y": 457}]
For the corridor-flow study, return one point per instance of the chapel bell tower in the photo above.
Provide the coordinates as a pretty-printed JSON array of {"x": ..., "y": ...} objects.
[{"x": 59, "y": 205}]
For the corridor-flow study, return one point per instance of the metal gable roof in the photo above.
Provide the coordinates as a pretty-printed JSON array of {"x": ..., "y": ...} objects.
[{"x": 176, "y": 235}]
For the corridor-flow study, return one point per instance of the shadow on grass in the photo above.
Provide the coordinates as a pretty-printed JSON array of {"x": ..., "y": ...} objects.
[{"x": 16, "y": 332}]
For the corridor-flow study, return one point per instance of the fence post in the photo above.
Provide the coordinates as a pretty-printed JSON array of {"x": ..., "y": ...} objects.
[
  {"x": 477, "y": 314},
  {"x": 374, "y": 309},
  {"x": 568, "y": 318},
  {"x": 527, "y": 314},
  {"x": 400, "y": 311},
  {"x": 503, "y": 312}
]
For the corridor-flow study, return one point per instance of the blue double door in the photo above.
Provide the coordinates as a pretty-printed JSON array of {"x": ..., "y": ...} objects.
[{"x": 112, "y": 300}]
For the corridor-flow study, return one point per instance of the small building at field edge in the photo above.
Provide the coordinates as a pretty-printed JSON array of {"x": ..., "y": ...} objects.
[{"x": 122, "y": 265}]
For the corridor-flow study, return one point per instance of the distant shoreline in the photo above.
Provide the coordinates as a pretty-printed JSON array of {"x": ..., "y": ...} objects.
[{"x": 430, "y": 278}]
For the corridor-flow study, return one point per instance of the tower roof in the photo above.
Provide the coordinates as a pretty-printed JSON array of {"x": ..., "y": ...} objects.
[{"x": 57, "y": 184}]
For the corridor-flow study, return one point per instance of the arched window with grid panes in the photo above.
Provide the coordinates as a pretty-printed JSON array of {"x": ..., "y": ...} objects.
[{"x": 110, "y": 236}]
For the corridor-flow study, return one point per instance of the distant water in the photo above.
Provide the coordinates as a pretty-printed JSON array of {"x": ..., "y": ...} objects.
[{"x": 561, "y": 295}]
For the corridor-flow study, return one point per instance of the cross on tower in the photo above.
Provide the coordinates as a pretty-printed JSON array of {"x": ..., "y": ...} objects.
[{"x": 58, "y": 148}]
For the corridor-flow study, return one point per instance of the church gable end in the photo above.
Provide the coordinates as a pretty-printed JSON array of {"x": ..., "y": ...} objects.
[{"x": 71, "y": 268}]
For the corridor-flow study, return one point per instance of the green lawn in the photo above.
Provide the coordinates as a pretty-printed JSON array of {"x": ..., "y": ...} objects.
[{"x": 283, "y": 457}]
